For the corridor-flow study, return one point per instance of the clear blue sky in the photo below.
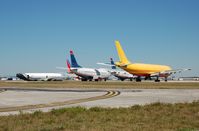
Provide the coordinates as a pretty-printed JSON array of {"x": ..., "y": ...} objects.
[{"x": 36, "y": 35}]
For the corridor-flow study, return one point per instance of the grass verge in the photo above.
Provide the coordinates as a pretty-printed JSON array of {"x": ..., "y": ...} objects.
[{"x": 157, "y": 116}]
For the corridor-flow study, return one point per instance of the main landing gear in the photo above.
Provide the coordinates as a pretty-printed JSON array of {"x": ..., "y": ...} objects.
[
  {"x": 138, "y": 79},
  {"x": 165, "y": 79},
  {"x": 83, "y": 79},
  {"x": 157, "y": 80}
]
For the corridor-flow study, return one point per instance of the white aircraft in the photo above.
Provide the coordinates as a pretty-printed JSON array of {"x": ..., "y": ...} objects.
[
  {"x": 86, "y": 73},
  {"x": 120, "y": 74},
  {"x": 41, "y": 76}
]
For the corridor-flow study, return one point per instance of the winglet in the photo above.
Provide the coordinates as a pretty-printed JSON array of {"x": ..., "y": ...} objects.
[{"x": 121, "y": 54}]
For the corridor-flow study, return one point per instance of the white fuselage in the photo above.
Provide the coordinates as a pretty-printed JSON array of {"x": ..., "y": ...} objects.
[
  {"x": 122, "y": 75},
  {"x": 91, "y": 73},
  {"x": 41, "y": 76},
  {"x": 104, "y": 73}
]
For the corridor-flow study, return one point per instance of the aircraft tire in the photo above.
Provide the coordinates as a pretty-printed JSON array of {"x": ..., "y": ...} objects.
[
  {"x": 157, "y": 80},
  {"x": 138, "y": 80}
]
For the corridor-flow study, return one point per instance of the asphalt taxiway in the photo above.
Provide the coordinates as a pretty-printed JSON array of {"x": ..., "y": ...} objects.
[{"x": 15, "y": 100}]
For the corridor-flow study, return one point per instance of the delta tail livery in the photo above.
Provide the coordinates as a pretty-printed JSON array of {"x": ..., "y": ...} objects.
[
  {"x": 143, "y": 70},
  {"x": 86, "y": 73}
]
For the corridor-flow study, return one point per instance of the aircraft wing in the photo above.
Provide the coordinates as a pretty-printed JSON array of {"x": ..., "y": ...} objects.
[
  {"x": 105, "y": 64},
  {"x": 169, "y": 72},
  {"x": 69, "y": 70},
  {"x": 175, "y": 71},
  {"x": 62, "y": 68},
  {"x": 111, "y": 65}
]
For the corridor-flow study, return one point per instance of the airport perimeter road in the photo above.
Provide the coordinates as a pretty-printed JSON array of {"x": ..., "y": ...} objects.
[{"x": 12, "y": 100}]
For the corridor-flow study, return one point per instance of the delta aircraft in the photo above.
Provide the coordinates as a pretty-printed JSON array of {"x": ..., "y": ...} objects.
[
  {"x": 143, "y": 70},
  {"x": 86, "y": 73},
  {"x": 120, "y": 74}
]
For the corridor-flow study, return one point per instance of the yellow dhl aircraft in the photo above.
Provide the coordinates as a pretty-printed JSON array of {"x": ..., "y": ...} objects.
[{"x": 143, "y": 70}]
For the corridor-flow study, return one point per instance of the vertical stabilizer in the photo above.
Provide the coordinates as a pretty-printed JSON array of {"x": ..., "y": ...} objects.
[
  {"x": 68, "y": 66},
  {"x": 112, "y": 63},
  {"x": 74, "y": 63},
  {"x": 121, "y": 54}
]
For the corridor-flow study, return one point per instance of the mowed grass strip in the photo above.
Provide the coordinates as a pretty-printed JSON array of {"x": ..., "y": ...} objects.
[
  {"x": 109, "y": 84},
  {"x": 157, "y": 116}
]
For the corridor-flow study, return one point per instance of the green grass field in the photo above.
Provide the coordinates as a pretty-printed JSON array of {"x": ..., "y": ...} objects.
[
  {"x": 182, "y": 117},
  {"x": 109, "y": 84}
]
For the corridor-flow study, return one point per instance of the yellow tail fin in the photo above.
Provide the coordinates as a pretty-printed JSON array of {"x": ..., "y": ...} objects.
[{"x": 121, "y": 54}]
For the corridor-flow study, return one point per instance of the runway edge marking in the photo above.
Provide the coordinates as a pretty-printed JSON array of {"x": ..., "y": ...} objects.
[{"x": 109, "y": 94}]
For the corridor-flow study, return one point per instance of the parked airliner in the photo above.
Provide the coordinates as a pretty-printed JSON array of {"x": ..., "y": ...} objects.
[
  {"x": 146, "y": 70},
  {"x": 41, "y": 76},
  {"x": 87, "y": 73},
  {"x": 120, "y": 74}
]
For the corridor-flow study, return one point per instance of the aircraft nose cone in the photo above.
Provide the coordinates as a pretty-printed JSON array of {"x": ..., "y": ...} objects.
[{"x": 21, "y": 76}]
